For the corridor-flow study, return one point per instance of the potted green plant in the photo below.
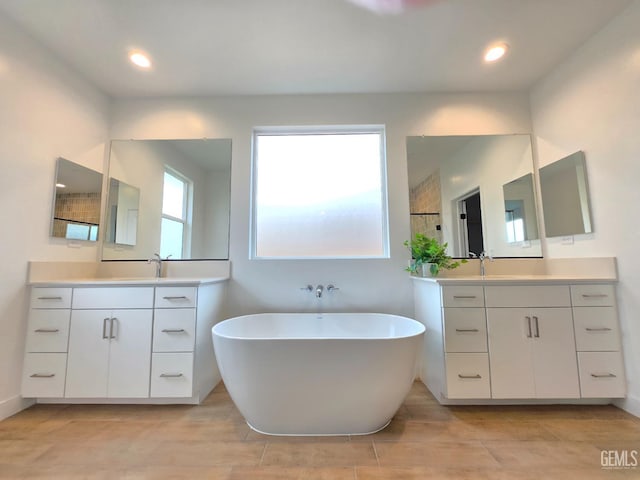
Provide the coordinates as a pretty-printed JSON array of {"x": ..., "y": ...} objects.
[{"x": 429, "y": 256}]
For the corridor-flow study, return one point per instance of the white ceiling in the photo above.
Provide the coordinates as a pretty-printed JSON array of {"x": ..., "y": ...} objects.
[{"x": 220, "y": 47}]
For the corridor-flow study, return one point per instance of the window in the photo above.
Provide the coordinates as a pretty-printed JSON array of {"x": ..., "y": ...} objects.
[
  {"x": 174, "y": 231},
  {"x": 319, "y": 193}
]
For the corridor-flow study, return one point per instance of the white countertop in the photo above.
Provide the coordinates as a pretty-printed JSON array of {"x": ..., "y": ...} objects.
[
  {"x": 130, "y": 281},
  {"x": 515, "y": 279}
]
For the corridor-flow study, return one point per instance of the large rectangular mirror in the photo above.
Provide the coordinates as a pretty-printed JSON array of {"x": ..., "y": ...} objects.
[
  {"x": 565, "y": 197},
  {"x": 175, "y": 198},
  {"x": 457, "y": 192},
  {"x": 76, "y": 205}
]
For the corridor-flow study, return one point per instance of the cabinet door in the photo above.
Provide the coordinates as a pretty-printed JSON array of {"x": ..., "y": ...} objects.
[
  {"x": 510, "y": 353},
  {"x": 130, "y": 355},
  {"x": 554, "y": 354},
  {"x": 88, "y": 358}
]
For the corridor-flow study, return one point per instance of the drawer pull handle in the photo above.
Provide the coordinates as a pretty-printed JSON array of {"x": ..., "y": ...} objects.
[
  {"x": 603, "y": 329},
  {"x": 170, "y": 375},
  {"x": 528, "y": 319},
  {"x": 474, "y": 330},
  {"x": 173, "y": 330},
  {"x": 181, "y": 297},
  {"x": 476, "y": 376},
  {"x": 43, "y": 375},
  {"x": 464, "y": 296},
  {"x": 46, "y": 330},
  {"x": 104, "y": 327},
  {"x": 537, "y": 334},
  {"x": 594, "y": 295},
  {"x": 50, "y": 298},
  {"x": 603, "y": 375}
]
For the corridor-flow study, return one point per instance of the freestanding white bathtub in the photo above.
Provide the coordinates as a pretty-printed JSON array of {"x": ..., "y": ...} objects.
[{"x": 310, "y": 374}]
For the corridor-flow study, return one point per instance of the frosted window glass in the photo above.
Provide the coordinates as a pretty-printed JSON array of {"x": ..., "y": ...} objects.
[
  {"x": 173, "y": 196},
  {"x": 319, "y": 195},
  {"x": 171, "y": 234}
]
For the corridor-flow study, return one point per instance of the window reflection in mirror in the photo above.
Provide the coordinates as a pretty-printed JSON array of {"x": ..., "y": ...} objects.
[
  {"x": 445, "y": 170},
  {"x": 565, "y": 197},
  {"x": 520, "y": 210},
  {"x": 76, "y": 210},
  {"x": 194, "y": 225},
  {"x": 123, "y": 205}
]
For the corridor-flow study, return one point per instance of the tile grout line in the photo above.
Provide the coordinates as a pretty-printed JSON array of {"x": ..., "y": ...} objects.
[{"x": 264, "y": 450}]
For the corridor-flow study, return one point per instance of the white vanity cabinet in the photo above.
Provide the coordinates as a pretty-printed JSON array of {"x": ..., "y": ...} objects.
[
  {"x": 110, "y": 342},
  {"x": 133, "y": 342},
  {"x": 531, "y": 342},
  {"x": 509, "y": 340},
  {"x": 45, "y": 358}
]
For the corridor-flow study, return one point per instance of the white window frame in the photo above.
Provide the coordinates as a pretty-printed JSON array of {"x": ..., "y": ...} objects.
[
  {"x": 187, "y": 210},
  {"x": 321, "y": 130}
]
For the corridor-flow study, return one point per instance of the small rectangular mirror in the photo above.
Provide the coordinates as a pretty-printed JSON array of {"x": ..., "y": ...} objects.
[
  {"x": 520, "y": 210},
  {"x": 123, "y": 206},
  {"x": 565, "y": 197},
  {"x": 76, "y": 206}
]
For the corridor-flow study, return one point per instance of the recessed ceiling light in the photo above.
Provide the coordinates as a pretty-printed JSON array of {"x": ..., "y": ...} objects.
[
  {"x": 140, "y": 59},
  {"x": 495, "y": 52}
]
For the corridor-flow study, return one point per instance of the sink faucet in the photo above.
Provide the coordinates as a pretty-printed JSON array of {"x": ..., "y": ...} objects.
[
  {"x": 319, "y": 290},
  {"x": 482, "y": 257},
  {"x": 157, "y": 259}
]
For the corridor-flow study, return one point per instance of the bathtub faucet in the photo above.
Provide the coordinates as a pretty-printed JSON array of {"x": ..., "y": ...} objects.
[{"x": 319, "y": 290}]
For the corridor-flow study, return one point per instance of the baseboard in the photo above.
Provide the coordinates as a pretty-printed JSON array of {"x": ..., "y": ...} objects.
[
  {"x": 630, "y": 404},
  {"x": 13, "y": 405}
]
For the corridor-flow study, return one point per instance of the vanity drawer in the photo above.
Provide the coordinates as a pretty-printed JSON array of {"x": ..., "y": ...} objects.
[
  {"x": 174, "y": 330},
  {"x": 593, "y": 295},
  {"x": 43, "y": 375},
  {"x": 172, "y": 375},
  {"x": 48, "y": 330},
  {"x": 110, "y": 298},
  {"x": 528, "y": 296},
  {"x": 463, "y": 296},
  {"x": 468, "y": 375},
  {"x": 465, "y": 330},
  {"x": 44, "y": 297},
  {"x": 175, "y": 297},
  {"x": 601, "y": 374},
  {"x": 596, "y": 329}
]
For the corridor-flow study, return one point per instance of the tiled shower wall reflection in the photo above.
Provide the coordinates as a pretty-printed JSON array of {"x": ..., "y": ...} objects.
[
  {"x": 426, "y": 207},
  {"x": 75, "y": 207}
]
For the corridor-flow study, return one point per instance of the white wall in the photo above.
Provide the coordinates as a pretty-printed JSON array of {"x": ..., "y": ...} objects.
[
  {"x": 46, "y": 111},
  {"x": 366, "y": 285},
  {"x": 591, "y": 103}
]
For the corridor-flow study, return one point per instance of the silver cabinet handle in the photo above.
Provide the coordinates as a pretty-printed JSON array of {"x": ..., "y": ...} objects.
[
  {"x": 603, "y": 375},
  {"x": 475, "y": 330},
  {"x": 602, "y": 329},
  {"x": 46, "y": 330},
  {"x": 594, "y": 295},
  {"x": 170, "y": 375},
  {"x": 113, "y": 320},
  {"x": 43, "y": 375},
  {"x": 537, "y": 334},
  {"x": 172, "y": 330},
  {"x": 528, "y": 326},
  {"x": 50, "y": 298},
  {"x": 464, "y": 296},
  {"x": 181, "y": 297},
  {"x": 104, "y": 327},
  {"x": 477, "y": 375}
]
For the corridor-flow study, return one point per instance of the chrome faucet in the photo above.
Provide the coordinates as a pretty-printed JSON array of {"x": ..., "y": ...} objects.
[
  {"x": 482, "y": 257},
  {"x": 319, "y": 290},
  {"x": 157, "y": 259}
]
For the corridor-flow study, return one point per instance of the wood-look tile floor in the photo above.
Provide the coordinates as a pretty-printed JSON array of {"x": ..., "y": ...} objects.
[{"x": 211, "y": 441}]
